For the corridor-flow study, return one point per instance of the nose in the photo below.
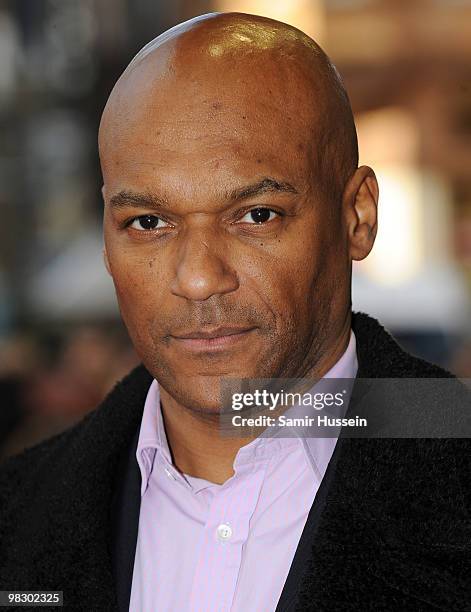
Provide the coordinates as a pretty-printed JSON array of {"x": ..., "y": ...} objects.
[{"x": 201, "y": 269}]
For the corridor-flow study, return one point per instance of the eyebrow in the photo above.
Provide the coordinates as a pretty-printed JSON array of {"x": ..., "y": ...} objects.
[
  {"x": 263, "y": 186},
  {"x": 126, "y": 199}
]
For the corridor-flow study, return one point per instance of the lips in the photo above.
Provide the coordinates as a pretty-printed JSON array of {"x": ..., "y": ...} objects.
[
  {"x": 208, "y": 334},
  {"x": 212, "y": 339}
]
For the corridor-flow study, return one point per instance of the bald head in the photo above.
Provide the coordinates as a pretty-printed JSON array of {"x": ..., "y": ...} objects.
[{"x": 207, "y": 66}]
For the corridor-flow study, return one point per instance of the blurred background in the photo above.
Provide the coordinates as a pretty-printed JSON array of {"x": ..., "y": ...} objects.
[{"x": 407, "y": 68}]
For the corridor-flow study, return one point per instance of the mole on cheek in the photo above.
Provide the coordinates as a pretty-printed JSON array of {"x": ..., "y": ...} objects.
[{"x": 151, "y": 263}]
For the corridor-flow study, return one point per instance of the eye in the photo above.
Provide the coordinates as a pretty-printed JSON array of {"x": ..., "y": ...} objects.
[
  {"x": 258, "y": 216},
  {"x": 147, "y": 222}
]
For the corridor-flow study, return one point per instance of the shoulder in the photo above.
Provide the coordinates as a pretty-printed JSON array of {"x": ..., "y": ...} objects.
[
  {"x": 381, "y": 356},
  {"x": 86, "y": 445},
  {"x": 34, "y": 457}
]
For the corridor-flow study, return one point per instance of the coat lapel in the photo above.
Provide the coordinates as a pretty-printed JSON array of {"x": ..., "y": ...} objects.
[
  {"x": 382, "y": 533},
  {"x": 293, "y": 584},
  {"x": 125, "y": 508}
]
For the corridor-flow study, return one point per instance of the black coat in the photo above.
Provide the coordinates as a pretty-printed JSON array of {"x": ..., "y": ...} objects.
[{"x": 389, "y": 528}]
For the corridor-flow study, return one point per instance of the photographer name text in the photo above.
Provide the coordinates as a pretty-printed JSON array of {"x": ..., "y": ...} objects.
[{"x": 284, "y": 421}]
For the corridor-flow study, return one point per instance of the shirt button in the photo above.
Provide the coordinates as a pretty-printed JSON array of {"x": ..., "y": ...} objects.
[{"x": 224, "y": 532}]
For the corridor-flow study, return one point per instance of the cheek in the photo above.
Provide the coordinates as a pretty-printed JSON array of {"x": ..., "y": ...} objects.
[
  {"x": 294, "y": 273},
  {"x": 138, "y": 284}
]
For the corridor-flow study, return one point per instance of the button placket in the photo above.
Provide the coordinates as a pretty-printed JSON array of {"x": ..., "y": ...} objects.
[{"x": 226, "y": 532}]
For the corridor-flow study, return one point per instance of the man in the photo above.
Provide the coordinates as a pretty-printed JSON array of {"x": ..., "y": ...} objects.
[{"x": 233, "y": 210}]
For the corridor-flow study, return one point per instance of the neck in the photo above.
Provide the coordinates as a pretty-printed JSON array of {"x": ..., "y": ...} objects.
[{"x": 196, "y": 445}]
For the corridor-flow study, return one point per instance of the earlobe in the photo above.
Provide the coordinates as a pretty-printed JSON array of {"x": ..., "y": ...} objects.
[{"x": 361, "y": 208}]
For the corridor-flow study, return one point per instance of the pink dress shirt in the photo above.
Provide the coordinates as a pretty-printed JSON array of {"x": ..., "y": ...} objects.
[{"x": 206, "y": 547}]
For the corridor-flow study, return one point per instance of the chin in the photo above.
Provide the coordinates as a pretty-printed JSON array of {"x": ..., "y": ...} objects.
[{"x": 199, "y": 401}]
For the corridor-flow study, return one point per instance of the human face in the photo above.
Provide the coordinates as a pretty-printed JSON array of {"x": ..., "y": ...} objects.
[{"x": 214, "y": 227}]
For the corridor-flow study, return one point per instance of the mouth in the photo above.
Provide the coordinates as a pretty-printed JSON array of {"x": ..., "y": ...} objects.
[{"x": 212, "y": 339}]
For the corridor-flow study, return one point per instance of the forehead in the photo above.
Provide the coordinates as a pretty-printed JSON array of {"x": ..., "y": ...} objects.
[{"x": 170, "y": 120}]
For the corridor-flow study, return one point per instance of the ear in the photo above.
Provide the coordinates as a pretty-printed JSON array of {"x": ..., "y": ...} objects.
[{"x": 360, "y": 205}]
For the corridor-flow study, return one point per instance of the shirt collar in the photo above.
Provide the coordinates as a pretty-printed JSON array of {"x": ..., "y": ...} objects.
[{"x": 153, "y": 440}]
